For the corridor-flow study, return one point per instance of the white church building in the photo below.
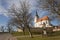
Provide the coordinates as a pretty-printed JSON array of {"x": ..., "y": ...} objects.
[{"x": 39, "y": 22}]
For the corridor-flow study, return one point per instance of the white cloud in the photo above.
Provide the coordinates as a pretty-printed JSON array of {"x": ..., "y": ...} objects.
[
  {"x": 10, "y": 3},
  {"x": 3, "y": 11}
]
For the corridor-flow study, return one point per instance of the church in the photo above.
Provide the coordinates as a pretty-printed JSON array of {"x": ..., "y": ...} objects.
[{"x": 39, "y": 22}]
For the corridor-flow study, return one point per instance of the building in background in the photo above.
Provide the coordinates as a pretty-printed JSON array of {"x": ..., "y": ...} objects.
[{"x": 39, "y": 22}]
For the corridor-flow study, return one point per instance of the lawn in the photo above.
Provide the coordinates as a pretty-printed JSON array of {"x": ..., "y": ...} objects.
[
  {"x": 53, "y": 36},
  {"x": 26, "y": 33},
  {"x": 35, "y": 33},
  {"x": 19, "y": 33},
  {"x": 40, "y": 38}
]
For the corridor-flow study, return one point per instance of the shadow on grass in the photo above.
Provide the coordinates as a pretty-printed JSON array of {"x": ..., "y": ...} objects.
[{"x": 57, "y": 33}]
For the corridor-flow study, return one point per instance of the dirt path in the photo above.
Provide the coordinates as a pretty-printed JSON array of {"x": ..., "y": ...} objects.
[{"x": 7, "y": 36}]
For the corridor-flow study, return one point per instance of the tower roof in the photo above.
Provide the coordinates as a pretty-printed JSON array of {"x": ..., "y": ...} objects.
[{"x": 37, "y": 15}]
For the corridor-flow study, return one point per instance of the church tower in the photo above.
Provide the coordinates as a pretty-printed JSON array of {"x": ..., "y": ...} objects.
[{"x": 36, "y": 17}]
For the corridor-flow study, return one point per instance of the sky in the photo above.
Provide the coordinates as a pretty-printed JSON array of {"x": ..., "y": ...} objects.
[{"x": 5, "y": 4}]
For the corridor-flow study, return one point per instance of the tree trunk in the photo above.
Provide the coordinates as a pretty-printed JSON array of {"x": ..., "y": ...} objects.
[
  {"x": 24, "y": 30},
  {"x": 30, "y": 33}
]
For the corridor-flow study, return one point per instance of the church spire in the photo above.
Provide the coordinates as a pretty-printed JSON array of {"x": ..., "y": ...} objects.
[{"x": 37, "y": 15}]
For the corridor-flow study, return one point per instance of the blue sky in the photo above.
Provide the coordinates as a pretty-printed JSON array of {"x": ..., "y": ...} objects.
[
  {"x": 5, "y": 4},
  {"x": 3, "y": 20}
]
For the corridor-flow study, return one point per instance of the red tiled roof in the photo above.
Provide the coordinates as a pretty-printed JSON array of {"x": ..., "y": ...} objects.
[{"x": 44, "y": 18}]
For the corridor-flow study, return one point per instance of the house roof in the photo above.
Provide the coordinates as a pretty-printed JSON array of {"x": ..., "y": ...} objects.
[{"x": 43, "y": 18}]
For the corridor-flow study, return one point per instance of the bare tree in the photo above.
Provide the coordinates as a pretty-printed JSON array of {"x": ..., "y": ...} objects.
[
  {"x": 9, "y": 26},
  {"x": 2, "y": 28},
  {"x": 42, "y": 4},
  {"x": 52, "y": 5},
  {"x": 20, "y": 17}
]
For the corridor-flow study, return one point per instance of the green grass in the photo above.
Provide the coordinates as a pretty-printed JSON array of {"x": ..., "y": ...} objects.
[
  {"x": 35, "y": 33},
  {"x": 19, "y": 33},
  {"x": 26, "y": 33},
  {"x": 51, "y": 36},
  {"x": 40, "y": 38}
]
